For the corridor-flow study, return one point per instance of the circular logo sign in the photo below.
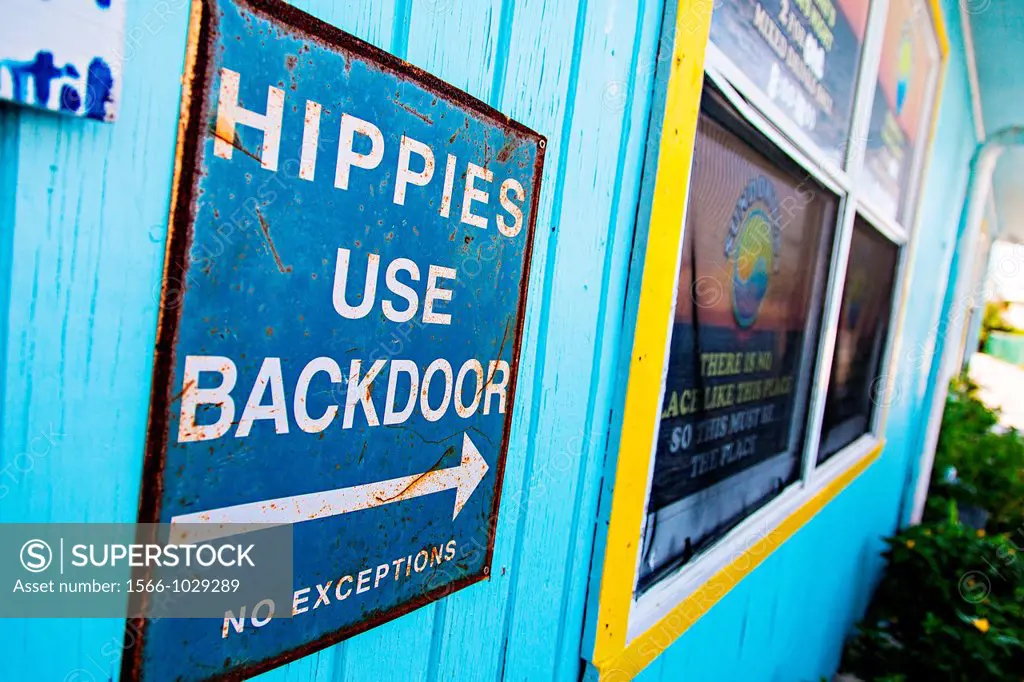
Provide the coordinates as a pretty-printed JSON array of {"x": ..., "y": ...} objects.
[
  {"x": 36, "y": 556},
  {"x": 753, "y": 247}
]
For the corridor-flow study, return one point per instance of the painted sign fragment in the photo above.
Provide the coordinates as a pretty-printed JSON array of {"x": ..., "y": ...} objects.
[
  {"x": 342, "y": 311},
  {"x": 63, "y": 55}
]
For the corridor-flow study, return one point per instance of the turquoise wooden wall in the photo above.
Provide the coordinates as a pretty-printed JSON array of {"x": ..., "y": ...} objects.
[
  {"x": 84, "y": 238},
  {"x": 81, "y": 254},
  {"x": 943, "y": 201}
]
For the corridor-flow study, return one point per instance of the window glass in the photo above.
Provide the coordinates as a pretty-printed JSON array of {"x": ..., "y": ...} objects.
[
  {"x": 749, "y": 298},
  {"x": 802, "y": 54},
  {"x": 860, "y": 340},
  {"x": 901, "y": 112}
]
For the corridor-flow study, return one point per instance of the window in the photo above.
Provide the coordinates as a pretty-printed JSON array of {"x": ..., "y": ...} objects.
[
  {"x": 901, "y": 109},
  {"x": 765, "y": 312},
  {"x": 856, "y": 380},
  {"x": 748, "y": 304}
]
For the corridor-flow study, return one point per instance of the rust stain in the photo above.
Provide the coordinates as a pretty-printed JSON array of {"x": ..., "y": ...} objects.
[
  {"x": 436, "y": 465},
  {"x": 270, "y": 243},
  {"x": 505, "y": 153},
  {"x": 423, "y": 117},
  {"x": 234, "y": 142},
  {"x": 501, "y": 348},
  {"x": 188, "y": 386}
]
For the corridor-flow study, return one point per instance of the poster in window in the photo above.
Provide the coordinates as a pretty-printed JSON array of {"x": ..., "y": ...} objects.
[
  {"x": 742, "y": 346},
  {"x": 899, "y": 114},
  {"x": 802, "y": 54}
]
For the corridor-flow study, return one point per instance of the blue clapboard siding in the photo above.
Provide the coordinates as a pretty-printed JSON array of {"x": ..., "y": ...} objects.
[
  {"x": 81, "y": 248},
  {"x": 83, "y": 207}
]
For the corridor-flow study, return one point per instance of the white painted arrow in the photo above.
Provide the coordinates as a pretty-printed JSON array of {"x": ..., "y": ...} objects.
[{"x": 226, "y": 521}]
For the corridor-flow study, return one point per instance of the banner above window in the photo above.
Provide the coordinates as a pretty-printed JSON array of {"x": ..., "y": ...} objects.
[{"x": 802, "y": 54}]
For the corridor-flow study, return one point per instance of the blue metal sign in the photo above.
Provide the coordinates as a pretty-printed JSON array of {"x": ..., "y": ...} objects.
[{"x": 342, "y": 311}]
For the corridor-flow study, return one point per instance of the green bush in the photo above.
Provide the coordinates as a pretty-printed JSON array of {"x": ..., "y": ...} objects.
[
  {"x": 988, "y": 465},
  {"x": 949, "y": 609}
]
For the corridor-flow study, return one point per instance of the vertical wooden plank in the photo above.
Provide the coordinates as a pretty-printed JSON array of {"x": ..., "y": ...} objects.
[
  {"x": 566, "y": 442},
  {"x": 456, "y": 41},
  {"x": 318, "y": 667},
  {"x": 84, "y": 235},
  {"x": 618, "y": 527},
  {"x": 370, "y": 21},
  {"x": 536, "y": 87},
  {"x": 402, "y": 647},
  {"x": 683, "y": 656},
  {"x": 634, "y": 97},
  {"x": 9, "y": 143}
]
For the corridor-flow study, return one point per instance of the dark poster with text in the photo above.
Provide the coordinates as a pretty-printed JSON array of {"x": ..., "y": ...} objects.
[{"x": 742, "y": 346}]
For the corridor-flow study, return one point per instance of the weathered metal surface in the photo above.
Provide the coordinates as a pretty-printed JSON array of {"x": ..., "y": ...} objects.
[{"x": 342, "y": 312}]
